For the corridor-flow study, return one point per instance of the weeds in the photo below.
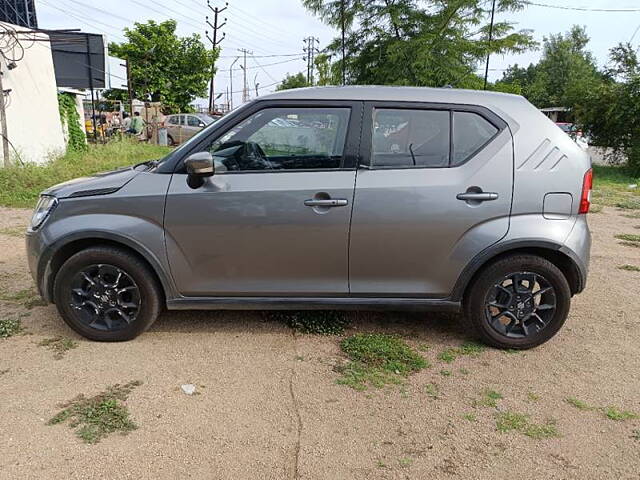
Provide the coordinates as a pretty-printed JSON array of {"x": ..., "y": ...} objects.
[
  {"x": 629, "y": 268},
  {"x": 446, "y": 373},
  {"x": 10, "y": 326},
  {"x": 466, "y": 349},
  {"x": 533, "y": 397},
  {"x": 28, "y": 298},
  {"x": 610, "y": 412},
  {"x": 13, "y": 232},
  {"x": 377, "y": 360},
  {"x": 96, "y": 417},
  {"x": 431, "y": 389},
  {"x": 470, "y": 417},
  {"x": 21, "y": 185},
  {"x": 59, "y": 346},
  {"x": 629, "y": 237},
  {"x": 489, "y": 398},
  {"x": 579, "y": 404},
  {"x": 518, "y": 422},
  {"x": 318, "y": 322},
  {"x": 630, "y": 244}
]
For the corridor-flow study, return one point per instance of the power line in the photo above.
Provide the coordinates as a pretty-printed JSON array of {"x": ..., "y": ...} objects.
[{"x": 584, "y": 9}]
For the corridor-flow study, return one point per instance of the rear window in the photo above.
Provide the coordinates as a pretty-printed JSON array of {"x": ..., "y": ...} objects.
[{"x": 471, "y": 132}]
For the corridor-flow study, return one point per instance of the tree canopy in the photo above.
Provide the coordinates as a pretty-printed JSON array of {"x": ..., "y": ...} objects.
[
  {"x": 164, "y": 67},
  {"x": 412, "y": 42},
  {"x": 298, "y": 80}
]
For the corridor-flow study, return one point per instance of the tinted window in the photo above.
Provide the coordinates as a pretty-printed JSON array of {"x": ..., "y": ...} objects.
[
  {"x": 407, "y": 138},
  {"x": 470, "y": 133},
  {"x": 194, "y": 121},
  {"x": 174, "y": 120},
  {"x": 285, "y": 139}
]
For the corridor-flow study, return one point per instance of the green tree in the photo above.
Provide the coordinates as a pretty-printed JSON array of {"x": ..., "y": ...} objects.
[
  {"x": 414, "y": 42},
  {"x": 565, "y": 73},
  {"x": 611, "y": 111},
  {"x": 298, "y": 80},
  {"x": 164, "y": 67}
]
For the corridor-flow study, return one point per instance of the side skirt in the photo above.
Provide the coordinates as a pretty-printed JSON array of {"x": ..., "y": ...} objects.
[{"x": 312, "y": 303}]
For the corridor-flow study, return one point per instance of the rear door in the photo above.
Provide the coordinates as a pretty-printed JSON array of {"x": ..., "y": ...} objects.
[
  {"x": 434, "y": 190},
  {"x": 274, "y": 219},
  {"x": 193, "y": 126}
]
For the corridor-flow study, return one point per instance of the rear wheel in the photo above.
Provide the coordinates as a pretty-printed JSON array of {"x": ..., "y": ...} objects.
[
  {"x": 520, "y": 302},
  {"x": 107, "y": 294}
]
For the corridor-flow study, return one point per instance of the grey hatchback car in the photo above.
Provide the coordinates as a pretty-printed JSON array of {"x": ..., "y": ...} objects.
[{"x": 332, "y": 198}]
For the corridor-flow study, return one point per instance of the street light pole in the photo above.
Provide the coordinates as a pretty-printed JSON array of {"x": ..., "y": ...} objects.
[
  {"x": 231, "y": 83},
  {"x": 486, "y": 68}
]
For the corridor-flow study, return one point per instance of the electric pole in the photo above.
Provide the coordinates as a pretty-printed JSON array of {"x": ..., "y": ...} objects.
[
  {"x": 231, "y": 83},
  {"x": 3, "y": 123},
  {"x": 245, "y": 90},
  {"x": 310, "y": 51},
  {"x": 486, "y": 69},
  {"x": 214, "y": 44}
]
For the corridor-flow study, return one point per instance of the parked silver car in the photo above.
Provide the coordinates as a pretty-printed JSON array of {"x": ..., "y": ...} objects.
[
  {"x": 332, "y": 198},
  {"x": 181, "y": 127}
]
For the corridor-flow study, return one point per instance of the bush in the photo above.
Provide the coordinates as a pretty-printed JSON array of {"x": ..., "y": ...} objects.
[{"x": 318, "y": 322}]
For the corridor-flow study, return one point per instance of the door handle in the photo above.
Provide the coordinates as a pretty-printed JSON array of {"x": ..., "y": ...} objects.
[
  {"x": 331, "y": 202},
  {"x": 477, "y": 196}
]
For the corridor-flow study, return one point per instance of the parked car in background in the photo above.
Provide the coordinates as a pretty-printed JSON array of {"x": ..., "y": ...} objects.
[
  {"x": 332, "y": 198},
  {"x": 576, "y": 134},
  {"x": 181, "y": 127}
]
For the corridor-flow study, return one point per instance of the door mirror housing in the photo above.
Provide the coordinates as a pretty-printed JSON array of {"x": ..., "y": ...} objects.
[{"x": 199, "y": 166}]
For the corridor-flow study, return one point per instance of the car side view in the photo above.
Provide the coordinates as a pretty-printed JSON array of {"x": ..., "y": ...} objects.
[{"x": 332, "y": 198}]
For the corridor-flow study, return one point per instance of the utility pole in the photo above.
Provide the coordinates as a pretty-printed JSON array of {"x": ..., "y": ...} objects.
[
  {"x": 256, "y": 84},
  {"x": 486, "y": 69},
  {"x": 342, "y": 20},
  {"x": 214, "y": 44},
  {"x": 310, "y": 50},
  {"x": 3, "y": 121},
  {"x": 231, "y": 83},
  {"x": 245, "y": 90},
  {"x": 129, "y": 86}
]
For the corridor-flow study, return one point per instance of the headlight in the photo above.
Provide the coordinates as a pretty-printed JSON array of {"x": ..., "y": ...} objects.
[{"x": 44, "y": 207}]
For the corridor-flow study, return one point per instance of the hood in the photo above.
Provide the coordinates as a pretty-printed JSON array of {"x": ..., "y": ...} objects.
[{"x": 98, "y": 184}]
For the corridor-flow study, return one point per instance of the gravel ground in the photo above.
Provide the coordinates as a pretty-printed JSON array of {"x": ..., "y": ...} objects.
[{"x": 269, "y": 406}]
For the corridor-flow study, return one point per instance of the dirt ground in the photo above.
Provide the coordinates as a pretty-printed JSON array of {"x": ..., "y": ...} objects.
[{"x": 269, "y": 406}]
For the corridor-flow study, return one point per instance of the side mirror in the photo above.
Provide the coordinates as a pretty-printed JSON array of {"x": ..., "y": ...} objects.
[{"x": 199, "y": 166}]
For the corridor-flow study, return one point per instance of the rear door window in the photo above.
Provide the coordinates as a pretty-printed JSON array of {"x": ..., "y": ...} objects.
[
  {"x": 410, "y": 138},
  {"x": 471, "y": 133}
]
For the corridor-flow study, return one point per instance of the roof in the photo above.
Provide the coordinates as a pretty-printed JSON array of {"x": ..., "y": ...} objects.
[{"x": 398, "y": 94}]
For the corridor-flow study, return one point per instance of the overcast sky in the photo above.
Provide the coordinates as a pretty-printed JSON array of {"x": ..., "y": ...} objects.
[{"x": 277, "y": 27}]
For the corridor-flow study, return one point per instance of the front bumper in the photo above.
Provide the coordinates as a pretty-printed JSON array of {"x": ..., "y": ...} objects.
[{"x": 38, "y": 266}]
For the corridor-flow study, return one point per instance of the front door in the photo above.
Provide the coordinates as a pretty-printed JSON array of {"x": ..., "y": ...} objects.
[
  {"x": 274, "y": 219},
  {"x": 435, "y": 191}
]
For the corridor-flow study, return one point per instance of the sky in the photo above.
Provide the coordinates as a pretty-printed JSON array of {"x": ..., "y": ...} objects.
[{"x": 273, "y": 31}]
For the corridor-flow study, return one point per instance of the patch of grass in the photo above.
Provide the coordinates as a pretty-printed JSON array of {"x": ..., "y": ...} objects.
[
  {"x": 95, "y": 417},
  {"x": 10, "y": 326},
  {"x": 611, "y": 188},
  {"x": 596, "y": 208},
  {"x": 466, "y": 349},
  {"x": 470, "y": 417},
  {"x": 58, "y": 345},
  {"x": 423, "y": 347},
  {"x": 629, "y": 237},
  {"x": 317, "y": 322},
  {"x": 28, "y": 298},
  {"x": 20, "y": 186},
  {"x": 533, "y": 397},
  {"x": 632, "y": 215},
  {"x": 405, "y": 462},
  {"x": 464, "y": 371},
  {"x": 377, "y": 360},
  {"x": 489, "y": 398},
  {"x": 579, "y": 404},
  {"x": 630, "y": 244},
  {"x": 13, "y": 232},
  {"x": 521, "y": 423},
  {"x": 614, "y": 413},
  {"x": 629, "y": 268},
  {"x": 432, "y": 390},
  {"x": 446, "y": 373}
]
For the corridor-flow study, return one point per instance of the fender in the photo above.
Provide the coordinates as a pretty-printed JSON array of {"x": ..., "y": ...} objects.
[
  {"x": 45, "y": 272},
  {"x": 512, "y": 245}
]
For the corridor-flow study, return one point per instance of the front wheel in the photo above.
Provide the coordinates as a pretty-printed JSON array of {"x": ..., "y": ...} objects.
[
  {"x": 519, "y": 302},
  {"x": 107, "y": 294}
]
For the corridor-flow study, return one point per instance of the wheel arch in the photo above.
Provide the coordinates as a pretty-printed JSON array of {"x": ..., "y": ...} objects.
[
  {"x": 557, "y": 254},
  {"x": 65, "y": 249}
]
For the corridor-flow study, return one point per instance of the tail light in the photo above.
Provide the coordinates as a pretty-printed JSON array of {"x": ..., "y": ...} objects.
[{"x": 587, "y": 185}]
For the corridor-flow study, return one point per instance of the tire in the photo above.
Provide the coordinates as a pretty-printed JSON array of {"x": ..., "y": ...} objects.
[
  {"x": 88, "y": 271},
  {"x": 172, "y": 142},
  {"x": 531, "y": 319}
]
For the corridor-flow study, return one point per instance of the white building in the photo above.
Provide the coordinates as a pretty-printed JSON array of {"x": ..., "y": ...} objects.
[{"x": 34, "y": 127}]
